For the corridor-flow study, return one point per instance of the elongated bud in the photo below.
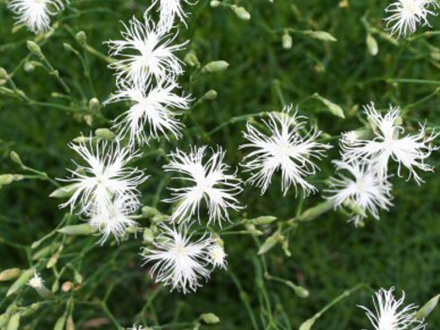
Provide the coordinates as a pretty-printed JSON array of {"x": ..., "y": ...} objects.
[
  {"x": 64, "y": 192},
  {"x": 148, "y": 235},
  {"x": 105, "y": 133},
  {"x": 16, "y": 158},
  {"x": 14, "y": 322},
  {"x": 94, "y": 104},
  {"x": 316, "y": 211},
  {"x": 54, "y": 259},
  {"x": 287, "y": 40},
  {"x": 424, "y": 312},
  {"x": 20, "y": 282},
  {"x": 4, "y": 318},
  {"x": 69, "y": 47},
  {"x": 149, "y": 212},
  {"x": 34, "y": 48},
  {"x": 210, "y": 95},
  {"x": 215, "y": 3},
  {"x": 210, "y": 318},
  {"x": 9, "y": 274},
  {"x": 76, "y": 230},
  {"x": 3, "y": 74},
  {"x": 372, "y": 45},
  {"x": 270, "y": 242},
  {"x": 70, "y": 325},
  {"x": 6, "y": 179},
  {"x": 307, "y": 325},
  {"x": 332, "y": 107},
  {"x": 81, "y": 139},
  {"x": 191, "y": 59},
  {"x": 264, "y": 220},
  {"x": 60, "y": 323},
  {"x": 81, "y": 38},
  {"x": 241, "y": 13},
  {"x": 158, "y": 218},
  {"x": 299, "y": 290},
  {"x": 320, "y": 35},
  {"x": 215, "y": 66}
]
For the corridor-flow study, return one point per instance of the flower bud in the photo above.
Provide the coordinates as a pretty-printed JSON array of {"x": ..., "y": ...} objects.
[
  {"x": 215, "y": 3},
  {"x": 81, "y": 38},
  {"x": 158, "y": 218},
  {"x": 210, "y": 318},
  {"x": 105, "y": 133},
  {"x": 20, "y": 282},
  {"x": 75, "y": 230},
  {"x": 4, "y": 318},
  {"x": 34, "y": 48},
  {"x": 372, "y": 45},
  {"x": 191, "y": 59},
  {"x": 6, "y": 179},
  {"x": 320, "y": 35},
  {"x": 29, "y": 66},
  {"x": 264, "y": 220},
  {"x": 64, "y": 192},
  {"x": 241, "y": 13},
  {"x": 60, "y": 323},
  {"x": 307, "y": 325},
  {"x": 299, "y": 290},
  {"x": 424, "y": 312},
  {"x": 210, "y": 95},
  {"x": 10, "y": 274},
  {"x": 270, "y": 242},
  {"x": 67, "y": 286},
  {"x": 148, "y": 235},
  {"x": 149, "y": 212},
  {"x": 3, "y": 74},
  {"x": 70, "y": 325},
  {"x": 316, "y": 211},
  {"x": 14, "y": 322},
  {"x": 332, "y": 107},
  {"x": 94, "y": 104},
  {"x": 287, "y": 41},
  {"x": 215, "y": 66},
  {"x": 16, "y": 158}
]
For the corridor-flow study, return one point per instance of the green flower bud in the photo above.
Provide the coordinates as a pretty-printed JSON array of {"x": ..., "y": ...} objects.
[
  {"x": 20, "y": 282},
  {"x": 373, "y": 47},
  {"x": 148, "y": 235},
  {"x": 215, "y": 66},
  {"x": 3, "y": 74},
  {"x": 332, "y": 107},
  {"x": 6, "y": 179},
  {"x": 81, "y": 38},
  {"x": 14, "y": 322},
  {"x": 34, "y": 48},
  {"x": 316, "y": 211},
  {"x": 158, "y": 218},
  {"x": 75, "y": 230},
  {"x": 70, "y": 325},
  {"x": 210, "y": 95},
  {"x": 270, "y": 242},
  {"x": 210, "y": 318},
  {"x": 29, "y": 66},
  {"x": 264, "y": 220},
  {"x": 320, "y": 35},
  {"x": 4, "y": 318},
  {"x": 9, "y": 274},
  {"x": 16, "y": 158},
  {"x": 241, "y": 13},
  {"x": 64, "y": 192},
  {"x": 94, "y": 105},
  {"x": 215, "y": 3},
  {"x": 105, "y": 133},
  {"x": 426, "y": 310},
  {"x": 299, "y": 290},
  {"x": 307, "y": 325},
  {"x": 191, "y": 59},
  {"x": 287, "y": 41},
  {"x": 59, "y": 324},
  {"x": 149, "y": 212}
]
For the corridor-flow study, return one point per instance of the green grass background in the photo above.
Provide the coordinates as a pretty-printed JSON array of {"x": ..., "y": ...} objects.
[{"x": 328, "y": 255}]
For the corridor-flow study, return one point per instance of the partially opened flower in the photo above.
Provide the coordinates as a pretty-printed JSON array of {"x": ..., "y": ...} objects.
[
  {"x": 36, "y": 281},
  {"x": 169, "y": 10},
  {"x": 217, "y": 256},
  {"x": 152, "y": 113},
  {"x": 35, "y": 14},
  {"x": 178, "y": 260},
  {"x": 363, "y": 188},
  {"x": 405, "y": 15},
  {"x": 389, "y": 143},
  {"x": 145, "y": 52},
  {"x": 208, "y": 180},
  {"x": 285, "y": 149},
  {"x": 115, "y": 219},
  {"x": 392, "y": 314},
  {"x": 106, "y": 177}
]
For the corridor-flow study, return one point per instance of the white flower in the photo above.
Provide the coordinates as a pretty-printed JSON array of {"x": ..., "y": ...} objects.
[
  {"x": 146, "y": 52},
  {"x": 409, "y": 151},
  {"x": 35, "y": 14},
  {"x": 137, "y": 327},
  {"x": 106, "y": 177},
  {"x": 217, "y": 256},
  {"x": 209, "y": 182},
  {"x": 365, "y": 189},
  {"x": 285, "y": 149},
  {"x": 168, "y": 10},
  {"x": 151, "y": 109},
  {"x": 115, "y": 218},
  {"x": 391, "y": 314},
  {"x": 178, "y": 261},
  {"x": 405, "y": 15},
  {"x": 36, "y": 282}
]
